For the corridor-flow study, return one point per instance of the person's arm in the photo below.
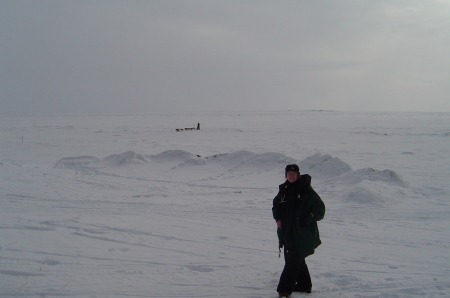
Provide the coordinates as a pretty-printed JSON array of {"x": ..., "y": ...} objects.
[
  {"x": 316, "y": 209},
  {"x": 276, "y": 210}
]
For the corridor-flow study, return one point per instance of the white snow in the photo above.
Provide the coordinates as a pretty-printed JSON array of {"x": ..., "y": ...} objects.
[{"x": 125, "y": 206}]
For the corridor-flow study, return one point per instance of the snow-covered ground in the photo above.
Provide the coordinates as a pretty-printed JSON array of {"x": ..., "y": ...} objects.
[{"x": 125, "y": 206}]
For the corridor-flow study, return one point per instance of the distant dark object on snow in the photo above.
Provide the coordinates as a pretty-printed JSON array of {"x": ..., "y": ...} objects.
[{"x": 188, "y": 128}]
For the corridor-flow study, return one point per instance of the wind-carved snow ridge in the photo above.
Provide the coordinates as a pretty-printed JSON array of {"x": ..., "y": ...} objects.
[
  {"x": 81, "y": 164},
  {"x": 87, "y": 163},
  {"x": 370, "y": 174},
  {"x": 330, "y": 174},
  {"x": 183, "y": 158},
  {"x": 378, "y": 187},
  {"x": 370, "y": 186},
  {"x": 244, "y": 158},
  {"x": 129, "y": 157},
  {"x": 323, "y": 166},
  {"x": 235, "y": 160},
  {"x": 319, "y": 166},
  {"x": 360, "y": 187},
  {"x": 171, "y": 155},
  {"x": 70, "y": 162}
]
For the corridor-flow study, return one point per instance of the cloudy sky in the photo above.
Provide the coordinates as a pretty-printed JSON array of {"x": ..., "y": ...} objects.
[{"x": 130, "y": 56}]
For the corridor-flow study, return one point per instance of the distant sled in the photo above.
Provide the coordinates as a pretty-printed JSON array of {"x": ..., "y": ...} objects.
[{"x": 188, "y": 128}]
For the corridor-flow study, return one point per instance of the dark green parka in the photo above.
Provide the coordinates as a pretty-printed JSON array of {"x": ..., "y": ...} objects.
[{"x": 299, "y": 208}]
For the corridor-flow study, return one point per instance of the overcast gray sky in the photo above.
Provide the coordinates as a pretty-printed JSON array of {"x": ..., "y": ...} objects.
[{"x": 85, "y": 56}]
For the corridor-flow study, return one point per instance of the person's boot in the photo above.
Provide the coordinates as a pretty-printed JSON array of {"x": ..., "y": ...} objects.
[{"x": 298, "y": 288}]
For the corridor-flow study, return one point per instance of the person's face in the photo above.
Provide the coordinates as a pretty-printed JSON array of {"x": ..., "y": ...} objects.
[{"x": 291, "y": 176}]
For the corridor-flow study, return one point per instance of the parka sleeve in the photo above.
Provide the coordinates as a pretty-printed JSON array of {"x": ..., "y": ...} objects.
[
  {"x": 316, "y": 206},
  {"x": 276, "y": 207}
]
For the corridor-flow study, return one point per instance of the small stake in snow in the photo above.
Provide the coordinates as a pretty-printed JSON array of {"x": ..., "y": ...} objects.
[{"x": 3, "y": 247}]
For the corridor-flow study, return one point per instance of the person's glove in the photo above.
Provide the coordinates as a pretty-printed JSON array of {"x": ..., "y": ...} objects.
[{"x": 280, "y": 241}]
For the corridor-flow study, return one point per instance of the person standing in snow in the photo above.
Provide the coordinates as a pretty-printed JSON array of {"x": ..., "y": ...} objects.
[{"x": 296, "y": 210}]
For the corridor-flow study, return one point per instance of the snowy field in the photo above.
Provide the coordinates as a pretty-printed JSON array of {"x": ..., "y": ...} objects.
[{"x": 125, "y": 206}]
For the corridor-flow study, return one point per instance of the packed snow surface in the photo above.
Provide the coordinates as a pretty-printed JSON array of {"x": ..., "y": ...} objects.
[{"x": 126, "y": 206}]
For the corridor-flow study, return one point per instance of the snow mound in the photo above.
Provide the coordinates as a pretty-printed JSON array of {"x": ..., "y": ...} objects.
[
  {"x": 370, "y": 174},
  {"x": 75, "y": 162},
  {"x": 378, "y": 193},
  {"x": 129, "y": 157},
  {"x": 366, "y": 193},
  {"x": 243, "y": 158},
  {"x": 87, "y": 163},
  {"x": 363, "y": 187},
  {"x": 323, "y": 166},
  {"x": 183, "y": 158},
  {"x": 172, "y": 155},
  {"x": 370, "y": 187}
]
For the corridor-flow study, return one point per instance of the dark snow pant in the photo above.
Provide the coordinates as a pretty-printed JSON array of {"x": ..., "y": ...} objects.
[{"x": 295, "y": 272}]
